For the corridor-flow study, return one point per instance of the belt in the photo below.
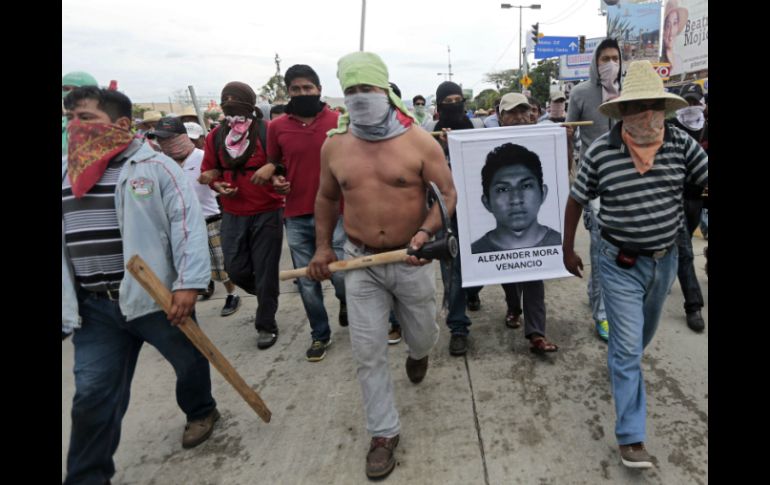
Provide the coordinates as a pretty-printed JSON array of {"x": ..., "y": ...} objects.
[
  {"x": 650, "y": 253},
  {"x": 369, "y": 249},
  {"x": 215, "y": 218},
  {"x": 112, "y": 295}
]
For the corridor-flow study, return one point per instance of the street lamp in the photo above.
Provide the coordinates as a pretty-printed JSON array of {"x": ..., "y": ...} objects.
[{"x": 533, "y": 7}]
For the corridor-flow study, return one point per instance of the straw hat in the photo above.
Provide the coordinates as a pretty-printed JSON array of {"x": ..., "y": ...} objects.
[
  {"x": 642, "y": 82},
  {"x": 673, "y": 6},
  {"x": 150, "y": 116},
  {"x": 189, "y": 111}
]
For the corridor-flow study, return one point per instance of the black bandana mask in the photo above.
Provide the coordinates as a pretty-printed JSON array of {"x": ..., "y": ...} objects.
[
  {"x": 305, "y": 106},
  {"x": 452, "y": 115}
]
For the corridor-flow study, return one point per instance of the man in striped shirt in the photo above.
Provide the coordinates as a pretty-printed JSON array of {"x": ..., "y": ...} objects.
[
  {"x": 639, "y": 169},
  {"x": 120, "y": 198}
]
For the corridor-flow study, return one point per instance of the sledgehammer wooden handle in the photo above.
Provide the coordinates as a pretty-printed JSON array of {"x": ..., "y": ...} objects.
[
  {"x": 355, "y": 263},
  {"x": 147, "y": 278}
]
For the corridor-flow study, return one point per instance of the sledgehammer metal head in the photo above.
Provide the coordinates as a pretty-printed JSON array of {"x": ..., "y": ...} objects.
[{"x": 444, "y": 248}]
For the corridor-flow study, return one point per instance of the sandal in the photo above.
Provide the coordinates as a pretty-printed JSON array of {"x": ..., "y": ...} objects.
[
  {"x": 539, "y": 345},
  {"x": 512, "y": 320}
]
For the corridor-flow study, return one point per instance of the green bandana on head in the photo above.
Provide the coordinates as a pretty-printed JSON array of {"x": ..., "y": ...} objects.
[{"x": 364, "y": 68}]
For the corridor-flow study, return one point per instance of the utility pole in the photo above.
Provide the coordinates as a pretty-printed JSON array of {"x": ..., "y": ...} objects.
[
  {"x": 520, "y": 7},
  {"x": 449, "y": 58},
  {"x": 363, "y": 22}
]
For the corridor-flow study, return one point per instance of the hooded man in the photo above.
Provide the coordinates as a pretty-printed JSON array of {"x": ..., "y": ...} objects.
[
  {"x": 584, "y": 100},
  {"x": 639, "y": 169},
  {"x": 70, "y": 81},
  {"x": 381, "y": 163},
  {"x": 252, "y": 214},
  {"x": 121, "y": 198},
  {"x": 450, "y": 106}
]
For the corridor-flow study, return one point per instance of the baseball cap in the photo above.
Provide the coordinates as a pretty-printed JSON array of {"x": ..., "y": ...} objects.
[
  {"x": 557, "y": 95},
  {"x": 512, "y": 100},
  {"x": 194, "y": 130},
  {"x": 692, "y": 91},
  {"x": 167, "y": 126}
]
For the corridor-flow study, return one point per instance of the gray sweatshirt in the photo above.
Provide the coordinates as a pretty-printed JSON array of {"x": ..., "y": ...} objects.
[{"x": 584, "y": 101}]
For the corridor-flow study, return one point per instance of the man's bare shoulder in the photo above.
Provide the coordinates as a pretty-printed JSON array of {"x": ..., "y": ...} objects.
[{"x": 332, "y": 143}]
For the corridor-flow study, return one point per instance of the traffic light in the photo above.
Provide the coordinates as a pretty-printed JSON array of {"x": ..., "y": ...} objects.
[
  {"x": 535, "y": 32},
  {"x": 582, "y": 40}
]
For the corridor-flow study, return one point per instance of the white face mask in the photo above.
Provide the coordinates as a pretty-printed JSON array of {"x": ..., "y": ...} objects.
[
  {"x": 419, "y": 109},
  {"x": 367, "y": 109},
  {"x": 691, "y": 117},
  {"x": 608, "y": 72}
]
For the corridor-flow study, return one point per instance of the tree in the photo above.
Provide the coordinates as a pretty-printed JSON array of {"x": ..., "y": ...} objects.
[
  {"x": 138, "y": 111},
  {"x": 486, "y": 99},
  {"x": 541, "y": 76},
  {"x": 505, "y": 81}
]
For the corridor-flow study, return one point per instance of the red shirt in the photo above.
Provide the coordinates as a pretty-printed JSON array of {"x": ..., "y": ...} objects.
[
  {"x": 251, "y": 198},
  {"x": 298, "y": 145}
]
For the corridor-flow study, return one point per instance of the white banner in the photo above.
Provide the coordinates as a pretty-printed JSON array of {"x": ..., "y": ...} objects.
[{"x": 512, "y": 188}]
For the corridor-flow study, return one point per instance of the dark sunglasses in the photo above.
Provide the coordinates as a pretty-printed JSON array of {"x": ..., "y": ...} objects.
[
  {"x": 419, "y": 104},
  {"x": 635, "y": 107}
]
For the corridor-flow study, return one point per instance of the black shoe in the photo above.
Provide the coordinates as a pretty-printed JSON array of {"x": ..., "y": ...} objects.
[
  {"x": 343, "y": 318},
  {"x": 416, "y": 369},
  {"x": 232, "y": 304},
  {"x": 266, "y": 339},
  {"x": 458, "y": 344},
  {"x": 695, "y": 321},
  {"x": 317, "y": 350},
  {"x": 474, "y": 305},
  {"x": 205, "y": 295}
]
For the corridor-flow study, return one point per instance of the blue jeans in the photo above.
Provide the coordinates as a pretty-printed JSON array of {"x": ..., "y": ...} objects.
[
  {"x": 300, "y": 234},
  {"x": 634, "y": 300},
  {"x": 595, "y": 293},
  {"x": 457, "y": 320},
  {"x": 106, "y": 351}
]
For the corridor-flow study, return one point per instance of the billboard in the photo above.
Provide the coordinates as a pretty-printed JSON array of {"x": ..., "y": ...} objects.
[
  {"x": 637, "y": 29},
  {"x": 685, "y": 35}
]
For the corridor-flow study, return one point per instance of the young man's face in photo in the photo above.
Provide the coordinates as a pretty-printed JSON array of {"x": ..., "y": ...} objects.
[{"x": 514, "y": 198}]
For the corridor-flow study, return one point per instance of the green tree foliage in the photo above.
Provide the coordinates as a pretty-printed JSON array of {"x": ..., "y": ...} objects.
[
  {"x": 486, "y": 99},
  {"x": 542, "y": 75},
  {"x": 138, "y": 111}
]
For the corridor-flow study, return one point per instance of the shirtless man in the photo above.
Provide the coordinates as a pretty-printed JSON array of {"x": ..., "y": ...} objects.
[{"x": 381, "y": 162}]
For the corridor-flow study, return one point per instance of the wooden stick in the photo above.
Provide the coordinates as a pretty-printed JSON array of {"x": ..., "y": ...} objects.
[
  {"x": 355, "y": 263},
  {"x": 565, "y": 123},
  {"x": 147, "y": 278}
]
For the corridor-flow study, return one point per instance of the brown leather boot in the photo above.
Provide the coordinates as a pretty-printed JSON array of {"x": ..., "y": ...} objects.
[{"x": 380, "y": 460}]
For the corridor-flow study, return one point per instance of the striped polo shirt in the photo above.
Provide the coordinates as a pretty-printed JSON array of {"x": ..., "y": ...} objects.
[
  {"x": 92, "y": 234},
  {"x": 642, "y": 210}
]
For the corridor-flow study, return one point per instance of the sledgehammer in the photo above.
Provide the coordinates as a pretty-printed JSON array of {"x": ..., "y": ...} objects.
[
  {"x": 147, "y": 278},
  {"x": 444, "y": 248}
]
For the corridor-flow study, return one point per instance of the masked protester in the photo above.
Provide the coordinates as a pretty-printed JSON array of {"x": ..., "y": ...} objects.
[
  {"x": 691, "y": 119},
  {"x": 584, "y": 102},
  {"x": 420, "y": 109},
  {"x": 69, "y": 82},
  {"x": 640, "y": 224},
  {"x": 251, "y": 213},
  {"x": 121, "y": 198},
  {"x": 381, "y": 215},
  {"x": 295, "y": 140}
]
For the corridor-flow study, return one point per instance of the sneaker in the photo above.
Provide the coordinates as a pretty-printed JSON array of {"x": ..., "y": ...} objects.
[
  {"x": 199, "y": 430},
  {"x": 416, "y": 369},
  {"x": 206, "y": 294},
  {"x": 458, "y": 344},
  {"x": 474, "y": 305},
  {"x": 394, "y": 336},
  {"x": 317, "y": 350},
  {"x": 232, "y": 304},
  {"x": 380, "y": 461},
  {"x": 343, "y": 318},
  {"x": 512, "y": 320},
  {"x": 266, "y": 339},
  {"x": 695, "y": 321},
  {"x": 603, "y": 329},
  {"x": 635, "y": 456}
]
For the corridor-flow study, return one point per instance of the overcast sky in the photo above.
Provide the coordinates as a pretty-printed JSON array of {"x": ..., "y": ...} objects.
[{"x": 154, "y": 48}]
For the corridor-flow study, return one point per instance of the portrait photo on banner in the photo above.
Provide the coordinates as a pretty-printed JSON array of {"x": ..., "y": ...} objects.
[{"x": 512, "y": 187}]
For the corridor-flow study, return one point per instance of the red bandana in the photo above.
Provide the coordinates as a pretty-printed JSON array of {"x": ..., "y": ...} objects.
[{"x": 91, "y": 147}]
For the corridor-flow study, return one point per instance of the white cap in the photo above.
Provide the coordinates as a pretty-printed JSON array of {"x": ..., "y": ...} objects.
[{"x": 194, "y": 130}]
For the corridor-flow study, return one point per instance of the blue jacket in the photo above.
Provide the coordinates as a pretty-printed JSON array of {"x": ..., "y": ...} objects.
[{"x": 160, "y": 220}]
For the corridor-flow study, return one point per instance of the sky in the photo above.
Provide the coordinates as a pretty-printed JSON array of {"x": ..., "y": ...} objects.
[{"x": 157, "y": 48}]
